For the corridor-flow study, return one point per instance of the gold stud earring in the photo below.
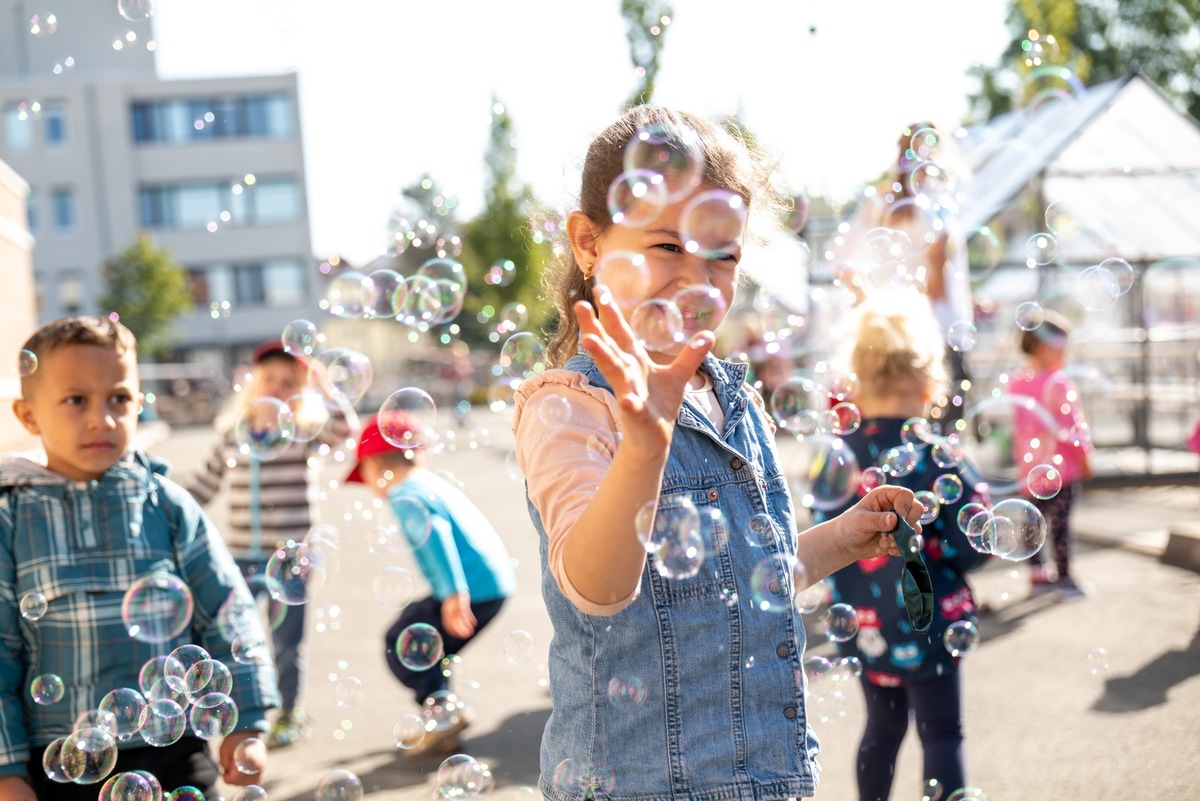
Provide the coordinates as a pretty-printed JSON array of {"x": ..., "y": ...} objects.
[{"x": 587, "y": 271}]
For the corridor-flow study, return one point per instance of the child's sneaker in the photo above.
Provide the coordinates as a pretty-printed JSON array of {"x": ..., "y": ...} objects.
[
  {"x": 290, "y": 728},
  {"x": 1068, "y": 589},
  {"x": 1040, "y": 582}
]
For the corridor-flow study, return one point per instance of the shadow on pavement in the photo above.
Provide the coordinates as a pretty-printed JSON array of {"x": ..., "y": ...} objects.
[{"x": 1148, "y": 686}]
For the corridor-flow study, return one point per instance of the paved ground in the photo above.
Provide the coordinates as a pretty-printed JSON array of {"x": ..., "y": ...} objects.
[{"x": 1040, "y": 725}]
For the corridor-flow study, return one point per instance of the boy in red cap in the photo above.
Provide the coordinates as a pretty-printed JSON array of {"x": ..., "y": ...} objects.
[{"x": 459, "y": 552}]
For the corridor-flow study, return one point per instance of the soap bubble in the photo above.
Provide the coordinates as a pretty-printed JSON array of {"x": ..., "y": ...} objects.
[
  {"x": 460, "y": 776},
  {"x": 961, "y": 637},
  {"x": 930, "y": 505},
  {"x": 712, "y": 223},
  {"x": 131, "y": 786},
  {"x": 264, "y": 430},
  {"x": 393, "y": 588},
  {"x": 502, "y": 273},
  {"x": 27, "y": 363},
  {"x": 213, "y": 715},
  {"x": 157, "y": 607},
  {"x": 89, "y": 755},
  {"x": 523, "y": 356},
  {"x": 1121, "y": 271},
  {"x": 339, "y": 785},
  {"x": 679, "y": 552},
  {"x": 208, "y": 676},
  {"x": 296, "y": 572},
  {"x": 1018, "y": 529},
  {"x": 309, "y": 415},
  {"x": 251, "y": 792},
  {"x": 301, "y": 338},
  {"x": 407, "y": 418},
  {"x": 1097, "y": 661},
  {"x": 1096, "y": 288},
  {"x": 968, "y": 511},
  {"x": 135, "y": 10},
  {"x": 52, "y": 762},
  {"x": 46, "y": 689},
  {"x": 124, "y": 707},
  {"x": 626, "y": 690},
  {"x": 961, "y": 336},
  {"x": 701, "y": 307},
  {"x": 1029, "y": 315},
  {"x": 636, "y": 198},
  {"x": 1041, "y": 249},
  {"x": 385, "y": 295},
  {"x": 947, "y": 488},
  {"x": 1044, "y": 481},
  {"x": 1001, "y": 435},
  {"x": 671, "y": 151},
  {"x": 626, "y": 276},
  {"x": 519, "y": 647},
  {"x": 348, "y": 294},
  {"x": 841, "y": 622},
  {"x": 348, "y": 692},
  {"x": 408, "y": 731},
  {"x": 834, "y": 474},
  {"x": 658, "y": 324},
  {"x": 250, "y": 649},
  {"x": 186, "y": 793},
  {"x": 419, "y": 647},
  {"x": 162, "y": 722},
  {"x": 183, "y": 659},
  {"x": 33, "y": 606},
  {"x": 347, "y": 374}
]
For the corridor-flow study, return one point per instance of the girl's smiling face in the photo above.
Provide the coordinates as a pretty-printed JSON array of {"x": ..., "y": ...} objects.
[{"x": 710, "y": 278}]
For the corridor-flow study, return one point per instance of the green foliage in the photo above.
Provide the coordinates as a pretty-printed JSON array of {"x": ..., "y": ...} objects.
[
  {"x": 646, "y": 24},
  {"x": 148, "y": 288},
  {"x": 501, "y": 233},
  {"x": 1098, "y": 40}
]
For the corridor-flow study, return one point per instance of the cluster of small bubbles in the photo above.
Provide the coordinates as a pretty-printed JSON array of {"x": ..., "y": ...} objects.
[
  {"x": 46, "y": 689},
  {"x": 33, "y": 605},
  {"x": 930, "y": 506},
  {"x": 1044, "y": 481},
  {"x": 339, "y": 785},
  {"x": 636, "y": 198},
  {"x": 871, "y": 478},
  {"x": 626, "y": 689},
  {"x": 947, "y": 489},
  {"x": 1041, "y": 249},
  {"x": 43, "y": 24},
  {"x": 712, "y": 222},
  {"x": 162, "y": 722},
  {"x": 157, "y": 607},
  {"x": 295, "y": 572},
  {"x": 88, "y": 755},
  {"x": 264, "y": 429},
  {"x": 348, "y": 692},
  {"x": 1097, "y": 661},
  {"x": 122, "y": 709},
  {"x": 393, "y": 588},
  {"x": 501, "y": 273},
  {"x": 213, "y": 715},
  {"x": 670, "y": 151},
  {"x": 962, "y": 336},
  {"x": 27, "y": 363},
  {"x": 419, "y": 646},
  {"x": 899, "y": 461},
  {"x": 967, "y": 512},
  {"x": 523, "y": 356},
  {"x": 408, "y": 731},
  {"x": 961, "y": 637},
  {"x": 460, "y": 776},
  {"x": 519, "y": 647},
  {"x": 658, "y": 324},
  {"x": 841, "y": 622}
]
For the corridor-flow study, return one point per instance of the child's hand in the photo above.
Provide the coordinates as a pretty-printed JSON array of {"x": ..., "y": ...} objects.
[
  {"x": 457, "y": 617},
  {"x": 253, "y": 758},
  {"x": 865, "y": 527},
  {"x": 649, "y": 395},
  {"x": 15, "y": 788}
]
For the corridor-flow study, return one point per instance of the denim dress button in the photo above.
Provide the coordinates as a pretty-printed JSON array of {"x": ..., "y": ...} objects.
[
  {"x": 783, "y": 651},
  {"x": 789, "y": 712},
  {"x": 736, "y": 463},
  {"x": 712, "y": 494}
]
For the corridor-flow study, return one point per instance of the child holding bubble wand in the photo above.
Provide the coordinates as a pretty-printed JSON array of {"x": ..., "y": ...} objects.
[
  {"x": 648, "y": 462},
  {"x": 895, "y": 351}
]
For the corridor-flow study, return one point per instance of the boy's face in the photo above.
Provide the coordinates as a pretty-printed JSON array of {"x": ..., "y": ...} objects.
[
  {"x": 84, "y": 406},
  {"x": 279, "y": 377}
]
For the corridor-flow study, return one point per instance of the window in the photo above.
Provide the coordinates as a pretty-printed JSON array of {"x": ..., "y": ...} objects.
[
  {"x": 274, "y": 283},
  {"x": 54, "y": 124},
  {"x": 31, "y": 211},
  {"x": 62, "y": 204},
  {"x": 272, "y": 201},
  {"x": 250, "y": 289},
  {"x": 207, "y": 118},
  {"x": 70, "y": 291},
  {"x": 18, "y": 129},
  {"x": 285, "y": 282}
]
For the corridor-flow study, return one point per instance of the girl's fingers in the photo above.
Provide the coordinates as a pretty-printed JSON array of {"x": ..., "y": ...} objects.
[
  {"x": 692, "y": 356},
  {"x": 615, "y": 322}
]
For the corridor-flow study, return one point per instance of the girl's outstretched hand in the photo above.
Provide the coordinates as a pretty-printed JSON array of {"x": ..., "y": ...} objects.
[
  {"x": 649, "y": 395},
  {"x": 866, "y": 527}
]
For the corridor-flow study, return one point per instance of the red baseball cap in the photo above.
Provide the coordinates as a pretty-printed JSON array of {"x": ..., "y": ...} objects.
[
  {"x": 371, "y": 441},
  {"x": 272, "y": 347}
]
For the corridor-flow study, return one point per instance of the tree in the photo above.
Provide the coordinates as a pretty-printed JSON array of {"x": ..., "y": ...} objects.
[
  {"x": 646, "y": 24},
  {"x": 148, "y": 288},
  {"x": 502, "y": 258},
  {"x": 1097, "y": 40},
  {"x": 423, "y": 226}
]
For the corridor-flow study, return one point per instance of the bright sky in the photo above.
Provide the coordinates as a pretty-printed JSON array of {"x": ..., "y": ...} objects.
[{"x": 390, "y": 89}]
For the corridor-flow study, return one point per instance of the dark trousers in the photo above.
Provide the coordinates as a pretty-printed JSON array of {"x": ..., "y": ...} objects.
[
  {"x": 937, "y": 706},
  {"x": 1057, "y": 511},
  {"x": 180, "y": 764},
  {"x": 425, "y": 683},
  {"x": 287, "y": 638}
]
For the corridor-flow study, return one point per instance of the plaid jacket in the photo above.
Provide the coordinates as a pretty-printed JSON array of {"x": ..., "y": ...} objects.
[{"x": 81, "y": 545}]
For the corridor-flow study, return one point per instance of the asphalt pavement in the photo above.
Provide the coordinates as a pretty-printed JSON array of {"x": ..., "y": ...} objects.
[{"x": 1086, "y": 699}]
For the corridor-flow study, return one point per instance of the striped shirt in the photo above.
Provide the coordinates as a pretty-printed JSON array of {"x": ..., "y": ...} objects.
[
  {"x": 270, "y": 501},
  {"x": 81, "y": 544}
]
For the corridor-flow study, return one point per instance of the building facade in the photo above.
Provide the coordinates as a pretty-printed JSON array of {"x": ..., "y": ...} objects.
[
  {"x": 211, "y": 169},
  {"x": 17, "y": 323}
]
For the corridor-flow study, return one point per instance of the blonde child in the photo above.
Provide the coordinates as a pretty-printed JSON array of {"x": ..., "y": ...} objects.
[
  {"x": 75, "y": 534},
  {"x": 272, "y": 497},
  {"x": 896, "y": 352},
  {"x": 1043, "y": 380},
  {"x": 669, "y": 680}
]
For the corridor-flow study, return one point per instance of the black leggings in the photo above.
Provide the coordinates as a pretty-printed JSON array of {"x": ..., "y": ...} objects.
[
  {"x": 425, "y": 683},
  {"x": 937, "y": 705}
]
